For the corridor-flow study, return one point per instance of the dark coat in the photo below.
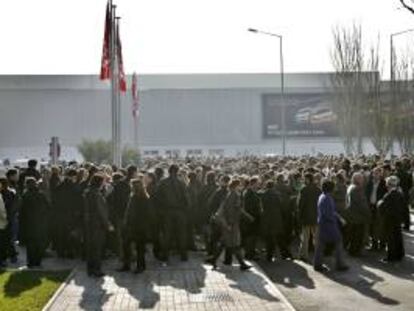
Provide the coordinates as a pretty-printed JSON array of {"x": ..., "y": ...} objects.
[
  {"x": 215, "y": 200},
  {"x": 33, "y": 216},
  {"x": 68, "y": 205},
  {"x": 381, "y": 190},
  {"x": 272, "y": 217},
  {"x": 229, "y": 215},
  {"x": 329, "y": 231},
  {"x": 96, "y": 214},
  {"x": 392, "y": 209},
  {"x": 252, "y": 206},
  {"x": 137, "y": 218},
  {"x": 171, "y": 195},
  {"x": 120, "y": 198},
  {"x": 308, "y": 205},
  {"x": 206, "y": 193},
  {"x": 339, "y": 196},
  {"x": 406, "y": 182}
]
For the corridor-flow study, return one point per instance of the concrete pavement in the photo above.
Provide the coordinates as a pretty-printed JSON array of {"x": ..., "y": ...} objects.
[
  {"x": 368, "y": 285},
  {"x": 180, "y": 286}
]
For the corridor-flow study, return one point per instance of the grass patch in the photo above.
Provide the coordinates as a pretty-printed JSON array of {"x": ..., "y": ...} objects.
[{"x": 28, "y": 290}]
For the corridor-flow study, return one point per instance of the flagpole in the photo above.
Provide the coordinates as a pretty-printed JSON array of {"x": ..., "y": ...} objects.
[
  {"x": 136, "y": 132},
  {"x": 113, "y": 85},
  {"x": 135, "y": 113},
  {"x": 118, "y": 101}
]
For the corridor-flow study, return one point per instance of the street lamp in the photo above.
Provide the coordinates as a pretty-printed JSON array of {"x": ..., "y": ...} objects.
[
  {"x": 392, "y": 59},
  {"x": 392, "y": 50},
  {"x": 282, "y": 83}
]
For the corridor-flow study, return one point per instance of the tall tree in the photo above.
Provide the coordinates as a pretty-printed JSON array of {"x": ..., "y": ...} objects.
[
  {"x": 379, "y": 125},
  {"x": 348, "y": 60},
  {"x": 409, "y": 7},
  {"x": 402, "y": 103}
]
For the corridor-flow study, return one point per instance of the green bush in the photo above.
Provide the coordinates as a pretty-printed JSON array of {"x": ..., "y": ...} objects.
[{"x": 100, "y": 151}]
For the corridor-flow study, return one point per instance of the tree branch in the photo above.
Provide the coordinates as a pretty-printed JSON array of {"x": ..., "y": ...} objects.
[{"x": 407, "y": 6}]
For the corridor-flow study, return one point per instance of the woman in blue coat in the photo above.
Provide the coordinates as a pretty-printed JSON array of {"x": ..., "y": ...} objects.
[{"x": 328, "y": 229}]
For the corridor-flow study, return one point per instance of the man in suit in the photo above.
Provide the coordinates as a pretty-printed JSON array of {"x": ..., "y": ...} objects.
[
  {"x": 375, "y": 191},
  {"x": 308, "y": 213}
]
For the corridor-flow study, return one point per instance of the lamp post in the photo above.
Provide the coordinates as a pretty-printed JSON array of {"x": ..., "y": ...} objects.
[
  {"x": 392, "y": 49},
  {"x": 282, "y": 83},
  {"x": 392, "y": 60}
]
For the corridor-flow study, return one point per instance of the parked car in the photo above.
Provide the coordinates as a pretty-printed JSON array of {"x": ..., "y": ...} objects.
[
  {"x": 323, "y": 116},
  {"x": 303, "y": 115}
]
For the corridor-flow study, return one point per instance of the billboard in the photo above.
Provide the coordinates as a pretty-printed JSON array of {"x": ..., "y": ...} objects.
[{"x": 306, "y": 115}]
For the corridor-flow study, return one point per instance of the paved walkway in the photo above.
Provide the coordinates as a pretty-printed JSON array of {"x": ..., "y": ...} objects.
[
  {"x": 368, "y": 285},
  {"x": 180, "y": 286}
]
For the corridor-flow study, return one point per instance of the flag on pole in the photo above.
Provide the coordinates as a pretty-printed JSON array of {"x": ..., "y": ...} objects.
[
  {"x": 106, "y": 53},
  {"x": 135, "y": 96},
  {"x": 121, "y": 73}
]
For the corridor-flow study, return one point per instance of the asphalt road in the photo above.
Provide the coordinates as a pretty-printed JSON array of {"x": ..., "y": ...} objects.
[{"x": 368, "y": 285}]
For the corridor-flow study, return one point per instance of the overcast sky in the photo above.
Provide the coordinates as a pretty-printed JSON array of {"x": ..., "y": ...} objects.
[{"x": 187, "y": 36}]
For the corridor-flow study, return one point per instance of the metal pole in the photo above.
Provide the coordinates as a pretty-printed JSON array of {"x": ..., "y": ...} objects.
[
  {"x": 392, "y": 81},
  {"x": 118, "y": 103},
  {"x": 136, "y": 132},
  {"x": 282, "y": 95},
  {"x": 113, "y": 83},
  {"x": 282, "y": 84}
]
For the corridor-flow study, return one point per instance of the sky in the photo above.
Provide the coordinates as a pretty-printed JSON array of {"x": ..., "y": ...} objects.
[{"x": 189, "y": 36}]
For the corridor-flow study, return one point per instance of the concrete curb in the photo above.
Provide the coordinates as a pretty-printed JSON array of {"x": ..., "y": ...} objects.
[
  {"x": 283, "y": 297},
  {"x": 60, "y": 290}
]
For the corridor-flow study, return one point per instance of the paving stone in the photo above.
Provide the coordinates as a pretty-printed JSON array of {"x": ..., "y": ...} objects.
[{"x": 179, "y": 286}]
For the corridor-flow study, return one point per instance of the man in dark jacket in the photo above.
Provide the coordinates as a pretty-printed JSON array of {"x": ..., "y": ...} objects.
[
  {"x": 34, "y": 214},
  {"x": 392, "y": 210},
  {"x": 406, "y": 183},
  {"x": 375, "y": 191},
  {"x": 308, "y": 214},
  {"x": 96, "y": 225},
  {"x": 173, "y": 203},
  {"x": 215, "y": 229},
  {"x": 272, "y": 222},
  {"x": 286, "y": 195},
  {"x": 120, "y": 196},
  {"x": 67, "y": 215},
  {"x": 137, "y": 225},
  {"x": 251, "y": 229},
  {"x": 203, "y": 217},
  {"x": 357, "y": 214}
]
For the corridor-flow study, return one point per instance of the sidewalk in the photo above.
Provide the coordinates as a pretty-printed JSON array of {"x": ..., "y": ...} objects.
[{"x": 180, "y": 286}]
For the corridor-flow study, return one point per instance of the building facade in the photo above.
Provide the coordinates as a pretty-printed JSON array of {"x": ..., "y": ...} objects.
[{"x": 185, "y": 113}]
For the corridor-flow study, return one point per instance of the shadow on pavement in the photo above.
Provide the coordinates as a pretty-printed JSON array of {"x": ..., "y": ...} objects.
[
  {"x": 249, "y": 282},
  {"x": 362, "y": 280},
  {"x": 289, "y": 274}
]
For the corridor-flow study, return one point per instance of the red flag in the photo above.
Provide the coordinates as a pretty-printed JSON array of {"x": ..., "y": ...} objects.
[
  {"x": 121, "y": 73},
  {"x": 106, "y": 53},
  {"x": 135, "y": 96}
]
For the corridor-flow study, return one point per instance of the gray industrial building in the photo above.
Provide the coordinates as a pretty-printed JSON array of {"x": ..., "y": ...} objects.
[{"x": 185, "y": 113}]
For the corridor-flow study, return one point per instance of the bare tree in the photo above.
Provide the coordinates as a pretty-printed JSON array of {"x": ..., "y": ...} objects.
[
  {"x": 409, "y": 7},
  {"x": 402, "y": 102},
  {"x": 347, "y": 59},
  {"x": 379, "y": 125}
]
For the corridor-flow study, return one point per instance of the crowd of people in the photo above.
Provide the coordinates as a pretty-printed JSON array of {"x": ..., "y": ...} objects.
[{"x": 247, "y": 207}]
